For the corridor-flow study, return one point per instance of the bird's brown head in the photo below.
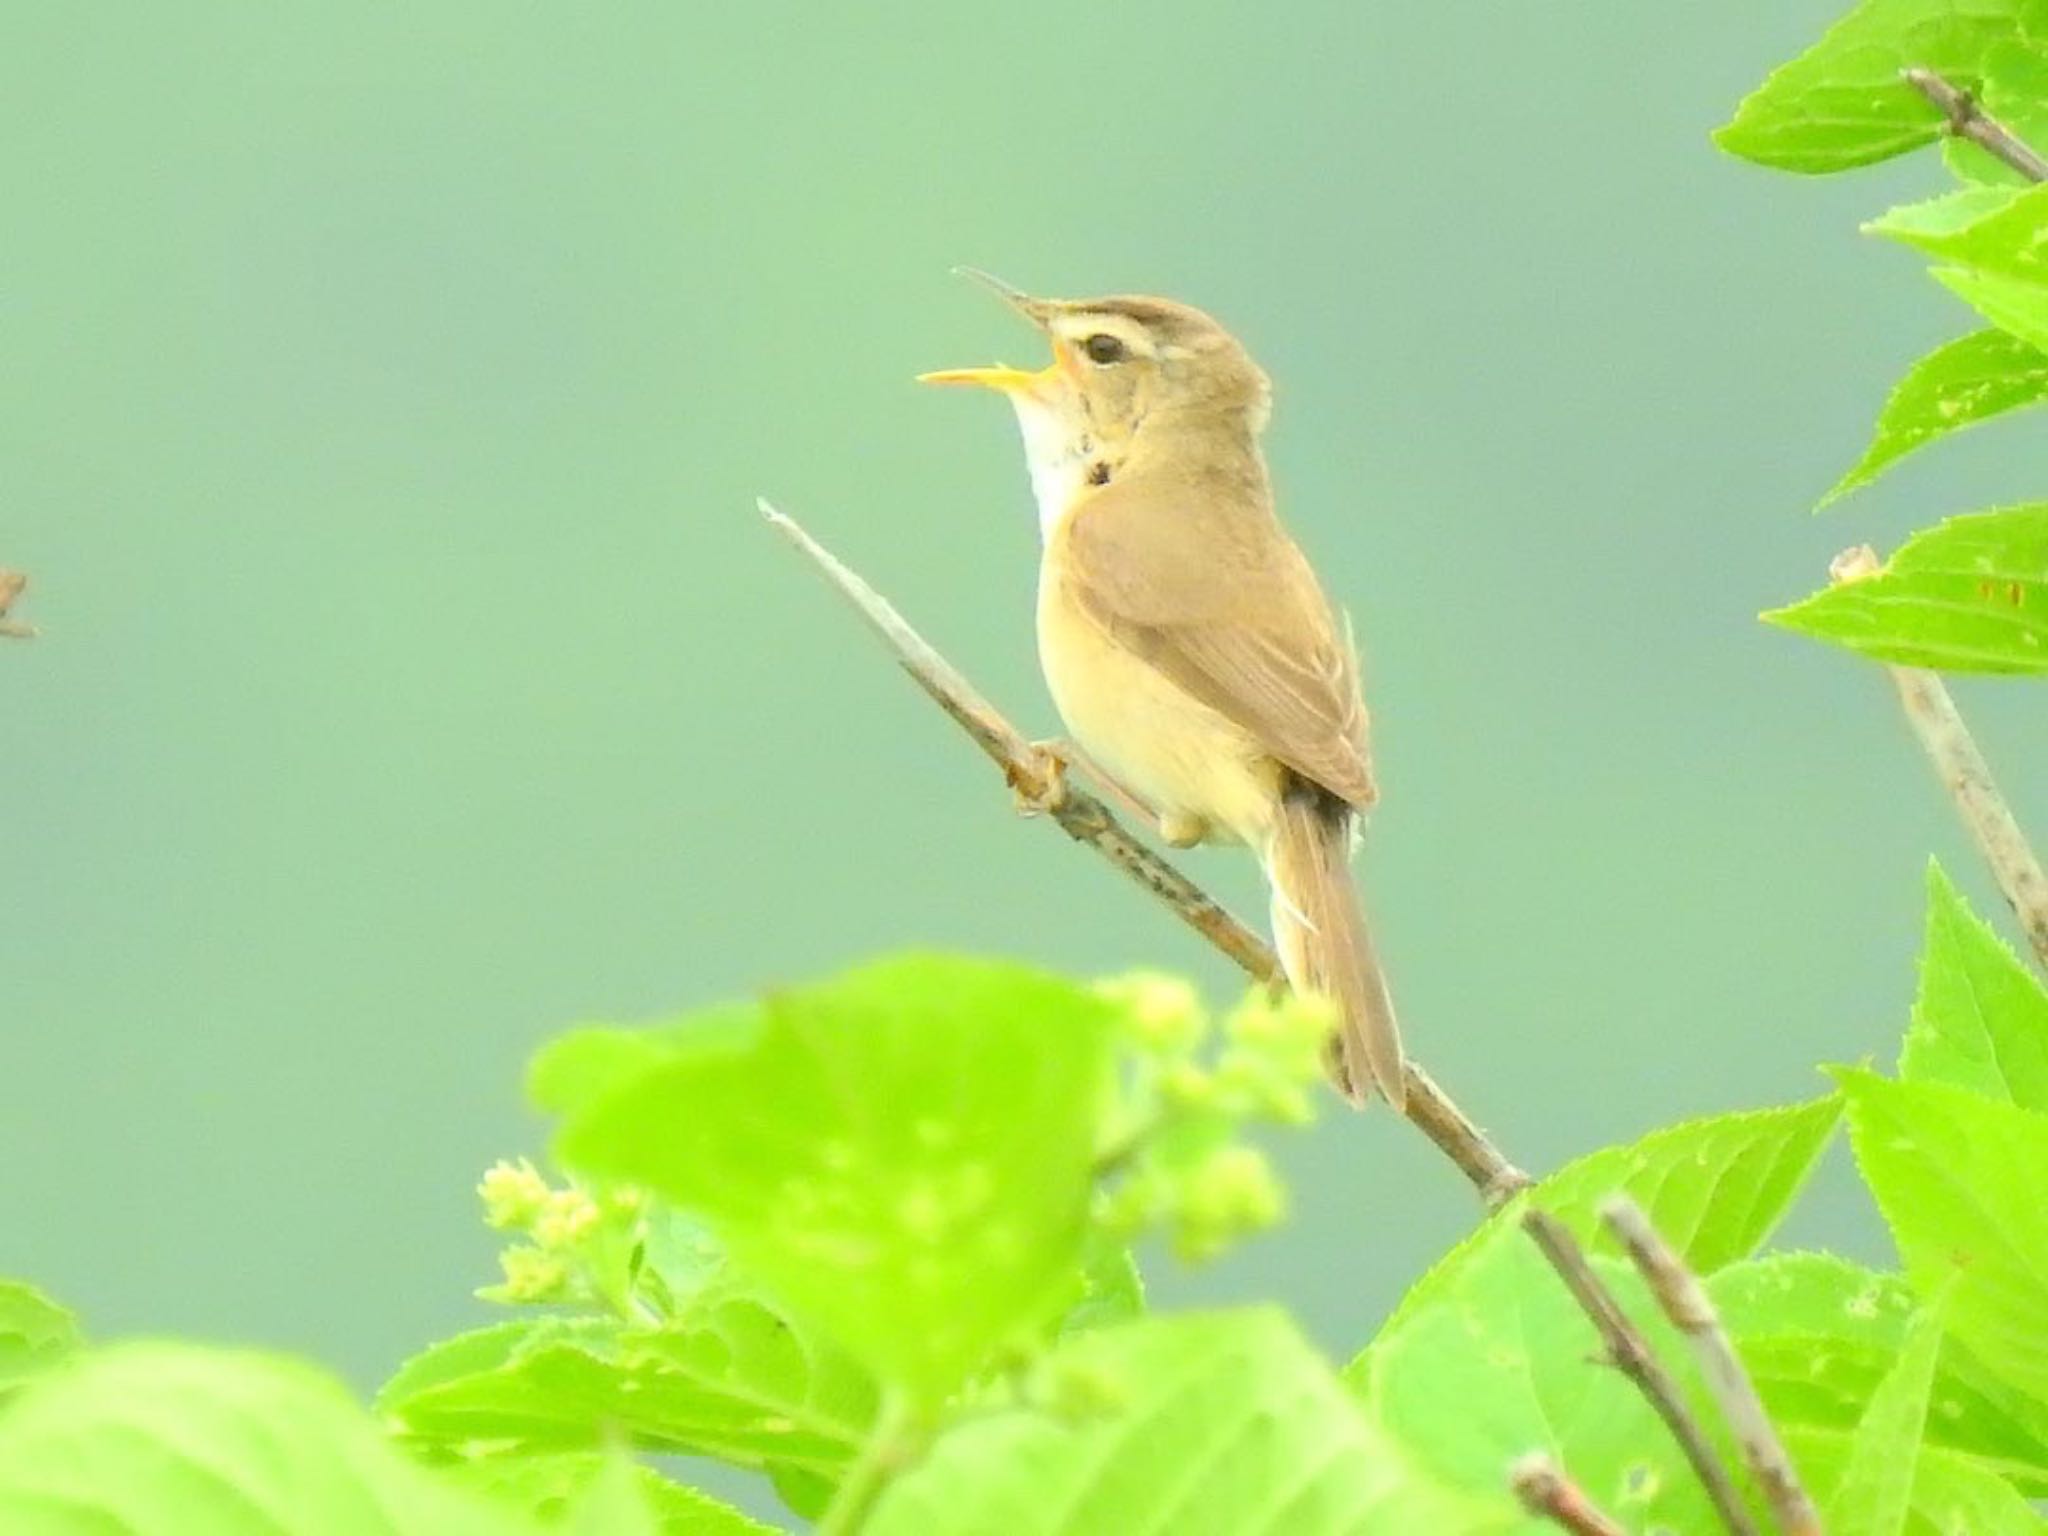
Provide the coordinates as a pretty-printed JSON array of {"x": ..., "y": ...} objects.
[
  {"x": 1127, "y": 357},
  {"x": 1125, "y": 371}
]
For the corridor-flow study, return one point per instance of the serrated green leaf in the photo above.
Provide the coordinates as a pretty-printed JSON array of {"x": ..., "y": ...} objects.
[
  {"x": 731, "y": 1379},
  {"x": 1219, "y": 1425},
  {"x": 1950, "y": 1496},
  {"x": 1959, "y": 1179},
  {"x": 904, "y": 1155},
  {"x": 610, "y": 1503},
  {"x": 2010, "y": 303},
  {"x": 1968, "y": 596},
  {"x": 562, "y": 1488},
  {"x": 581, "y": 1066},
  {"x": 1941, "y": 223},
  {"x": 1981, "y": 1019},
  {"x": 35, "y": 1333},
  {"x": 1714, "y": 1187},
  {"x": 1991, "y": 229},
  {"x": 1998, "y": 239},
  {"x": 1877, "y": 1483},
  {"x": 1818, "y": 1333},
  {"x": 1970, "y": 380},
  {"x": 1502, "y": 1362},
  {"x": 171, "y": 1439},
  {"x": 1842, "y": 104}
]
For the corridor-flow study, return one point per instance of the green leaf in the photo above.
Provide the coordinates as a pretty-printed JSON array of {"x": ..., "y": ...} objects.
[
  {"x": 611, "y": 1503},
  {"x": 171, "y": 1439},
  {"x": 1818, "y": 1333},
  {"x": 1203, "y": 1425},
  {"x": 1950, "y": 1496},
  {"x": 1993, "y": 229},
  {"x": 1501, "y": 1362},
  {"x": 731, "y": 1379},
  {"x": 1941, "y": 224},
  {"x": 35, "y": 1333},
  {"x": 1998, "y": 239},
  {"x": 1959, "y": 1179},
  {"x": 1968, "y": 596},
  {"x": 1714, "y": 1187},
  {"x": 578, "y": 1485},
  {"x": 1842, "y": 104},
  {"x": 2010, "y": 303},
  {"x": 581, "y": 1066},
  {"x": 1955, "y": 386},
  {"x": 1877, "y": 1484},
  {"x": 1981, "y": 1019},
  {"x": 904, "y": 1155}
]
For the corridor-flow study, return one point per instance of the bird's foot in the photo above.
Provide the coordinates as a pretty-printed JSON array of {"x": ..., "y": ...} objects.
[
  {"x": 1182, "y": 829},
  {"x": 1039, "y": 787},
  {"x": 1071, "y": 754}
]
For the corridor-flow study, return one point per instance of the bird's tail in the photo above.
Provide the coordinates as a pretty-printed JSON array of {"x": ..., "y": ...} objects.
[{"x": 1319, "y": 929}]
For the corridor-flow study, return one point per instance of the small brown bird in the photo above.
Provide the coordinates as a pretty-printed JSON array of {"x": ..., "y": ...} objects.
[{"x": 1194, "y": 658}]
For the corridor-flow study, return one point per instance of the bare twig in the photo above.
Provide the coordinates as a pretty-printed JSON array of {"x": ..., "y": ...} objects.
[
  {"x": 1967, "y": 120},
  {"x": 1684, "y": 1300},
  {"x": 1544, "y": 1491},
  {"x": 1932, "y": 713},
  {"x": 1629, "y": 1352},
  {"x": 11, "y": 583},
  {"x": 1087, "y": 820}
]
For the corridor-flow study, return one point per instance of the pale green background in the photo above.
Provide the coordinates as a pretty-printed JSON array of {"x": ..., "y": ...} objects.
[{"x": 383, "y": 395}]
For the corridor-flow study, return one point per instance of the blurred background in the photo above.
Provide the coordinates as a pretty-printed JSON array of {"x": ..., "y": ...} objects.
[{"x": 384, "y": 395}]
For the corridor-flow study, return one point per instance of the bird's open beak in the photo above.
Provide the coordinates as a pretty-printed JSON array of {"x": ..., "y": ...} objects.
[
  {"x": 1008, "y": 380},
  {"x": 1001, "y": 377}
]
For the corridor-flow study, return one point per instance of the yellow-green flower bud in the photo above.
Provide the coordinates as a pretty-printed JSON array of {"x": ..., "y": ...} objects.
[
  {"x": 530, "y": 1276},
  {"x": 1234, "y": 1190},
  {"x": 1162, "y": 1014},
  {"x": 568, "y": 1216},
  {"x": 514, "y": 1194}
]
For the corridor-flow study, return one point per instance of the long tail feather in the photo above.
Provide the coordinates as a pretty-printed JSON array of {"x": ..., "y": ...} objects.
[{"x": 1320, "y": 931}]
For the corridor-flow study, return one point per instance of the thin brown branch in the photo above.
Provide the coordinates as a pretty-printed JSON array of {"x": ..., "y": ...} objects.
[
  {"x": 1967, "y": 120},
  {"x": 1931, "y": 711},
  {"x": 11, "y": 583},
  {"x": 1544, "y": 1491},
  {"x": 1629, "y": 1352},
  {"x": 1088, "y": 821},
  {"x": 1685, "y": 1302}
]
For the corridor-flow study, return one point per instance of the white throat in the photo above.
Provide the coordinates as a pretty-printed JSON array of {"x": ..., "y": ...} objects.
[{"x": 1057, "y": 458}]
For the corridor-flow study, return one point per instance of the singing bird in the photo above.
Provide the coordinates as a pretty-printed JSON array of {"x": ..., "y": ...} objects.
[{"x": 1185, "y": 640}]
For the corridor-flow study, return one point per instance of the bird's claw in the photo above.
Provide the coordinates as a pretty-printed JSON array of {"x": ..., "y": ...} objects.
[{"x": 1039, "y": 786}]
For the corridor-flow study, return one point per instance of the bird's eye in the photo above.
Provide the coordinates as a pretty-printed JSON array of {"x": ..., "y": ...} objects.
[{"x": 1104, "y": 348}]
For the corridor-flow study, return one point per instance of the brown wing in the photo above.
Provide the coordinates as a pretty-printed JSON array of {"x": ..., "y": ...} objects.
[{"x": 1212, "y": 592}]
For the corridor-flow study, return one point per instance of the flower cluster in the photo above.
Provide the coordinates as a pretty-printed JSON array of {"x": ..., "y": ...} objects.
[{"x": 1176, "y": 1159}]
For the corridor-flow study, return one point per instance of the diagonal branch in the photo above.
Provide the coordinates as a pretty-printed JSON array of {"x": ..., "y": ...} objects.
[
  {"x": 11, "y": 583},
  {"x": 1684, "y": 1300},
  {"x": 1931, "y": 711},
  {"x": 1542, "y": 1488},
  {"x": 1967, "y": 120},
  {"x": 1630, "y": 1353},
  {"x": 1087, "y": 820}
]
